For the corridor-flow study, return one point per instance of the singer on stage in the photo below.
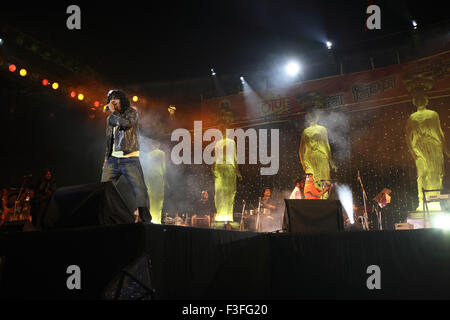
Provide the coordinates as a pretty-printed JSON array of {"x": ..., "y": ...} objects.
[{"x": 122, "y": 149}]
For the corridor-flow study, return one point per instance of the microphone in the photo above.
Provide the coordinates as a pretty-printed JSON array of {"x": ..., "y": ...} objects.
[{"x": 107, "y": 106}]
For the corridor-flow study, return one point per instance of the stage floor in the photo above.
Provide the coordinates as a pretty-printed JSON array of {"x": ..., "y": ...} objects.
[{"x": 205, "y": 264}]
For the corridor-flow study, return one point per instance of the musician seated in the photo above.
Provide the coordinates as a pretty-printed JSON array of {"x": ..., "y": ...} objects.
[
  {"x": 297, "y": 193},
  {"x": 204, "y": 206},
  {"x": 267, "y": 203},
  {"x": 311, "y": 192}
]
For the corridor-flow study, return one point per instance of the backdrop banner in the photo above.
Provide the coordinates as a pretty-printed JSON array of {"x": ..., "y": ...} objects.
[{"x": 355, "y": 91}]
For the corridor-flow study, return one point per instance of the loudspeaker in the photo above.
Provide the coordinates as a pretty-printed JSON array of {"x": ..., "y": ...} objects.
[
  {"x": 103, "y": 203},
  {"x": 313, "y": 216}
]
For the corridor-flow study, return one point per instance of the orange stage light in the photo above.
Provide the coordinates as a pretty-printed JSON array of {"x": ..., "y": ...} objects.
[
  {"x": 12, "y": 68},
  {"x": 44, "y": 82},
  {"x": 73, "y": 94}
]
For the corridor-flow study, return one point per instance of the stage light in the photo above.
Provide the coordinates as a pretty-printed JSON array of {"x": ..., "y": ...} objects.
[
  {"x": 1, "y": 41},
  {"x": 73, "y": 94},
  {"x": 414, "y": 23},
  {"x": 44, "y": 82},
  {"x": 96, "y": 104},
  {"x": 292, "y": 68},
  {"x": 23, "y": 72},
  {"x": 442, "y": 221},
  {"x": 80, "y": 96},
  {"x": 55, "y": 85},
  {"x": 213, "y": 73},
  {"x": 135, "y": 99},
  {"x": 242, "y": 79},
  {"x": 329, "y": 45},
  {"x": 172, "y": 110},
  {"x": 12, "y": 68}
]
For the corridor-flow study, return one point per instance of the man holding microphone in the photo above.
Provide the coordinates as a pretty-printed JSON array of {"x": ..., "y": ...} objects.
[{"x": 122, "y": 150}]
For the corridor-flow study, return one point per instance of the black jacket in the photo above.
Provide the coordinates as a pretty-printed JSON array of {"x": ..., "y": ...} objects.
[{"x": 126, "y": 136}]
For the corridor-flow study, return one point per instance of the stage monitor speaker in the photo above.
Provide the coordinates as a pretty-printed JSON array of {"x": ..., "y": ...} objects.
[
  {"x": 103, "y": 203},
  {"x": 313, "y": 216}
]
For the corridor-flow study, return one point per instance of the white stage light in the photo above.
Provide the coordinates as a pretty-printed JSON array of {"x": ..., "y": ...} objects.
[
  {"x": 242, "y": 79},
  {"x": 213, "y": 73},
  {"x": 329, "y": 45},
  {"x": 1, "y": 41},
  {"x": 442, "y": 221},
  {"x": 292, "y": 68},
  {"x": 414, "y": 23}
]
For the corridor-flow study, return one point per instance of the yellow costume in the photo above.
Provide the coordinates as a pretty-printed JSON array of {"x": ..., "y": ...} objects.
[
  {"x": 425, "y": 141},
  {"x": 225, "y": 172},
  {"x": 155, "y": 182},
  {"x": 315, "y": 153}
]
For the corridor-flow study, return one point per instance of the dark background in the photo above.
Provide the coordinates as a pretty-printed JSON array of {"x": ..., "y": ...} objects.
[{"x": 135, "y": 42}]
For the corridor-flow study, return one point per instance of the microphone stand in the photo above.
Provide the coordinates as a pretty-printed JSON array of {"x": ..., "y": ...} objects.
[
  {"x": 257, "y": 217},
  {"x": 241, "y": 226},
  {"x": 378, "y": 213},
  {"x": 19, "y": 195},
  {"x": 365, "y": 217}
]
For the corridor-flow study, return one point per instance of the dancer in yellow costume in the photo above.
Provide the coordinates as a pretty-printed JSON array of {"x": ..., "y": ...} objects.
[
  {"x": 225, "y": 171},
  {"x": 314, "y": 151},
  {"x": 155, "y": 181},
  {"x": 426, "y": 143}
]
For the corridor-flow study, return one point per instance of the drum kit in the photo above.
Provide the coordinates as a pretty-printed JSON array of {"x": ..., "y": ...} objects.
[
  {"x": 250, "y": 220},
  {"x": 255, "y": 219},
  {"x": 16, "y": 206},
  {"x": 185, "y": 220}
]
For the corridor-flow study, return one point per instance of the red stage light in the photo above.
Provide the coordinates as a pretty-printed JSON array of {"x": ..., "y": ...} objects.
[
  {"x": 73, "y": 94},
  {"x": 96, "y": 104},
  {"x": 44, "y": 82},
  {"x": 12, "y": 68}
]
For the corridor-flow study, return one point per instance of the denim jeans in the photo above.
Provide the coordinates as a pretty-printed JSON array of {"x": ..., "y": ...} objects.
[{"x": 131, "y": 169}]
